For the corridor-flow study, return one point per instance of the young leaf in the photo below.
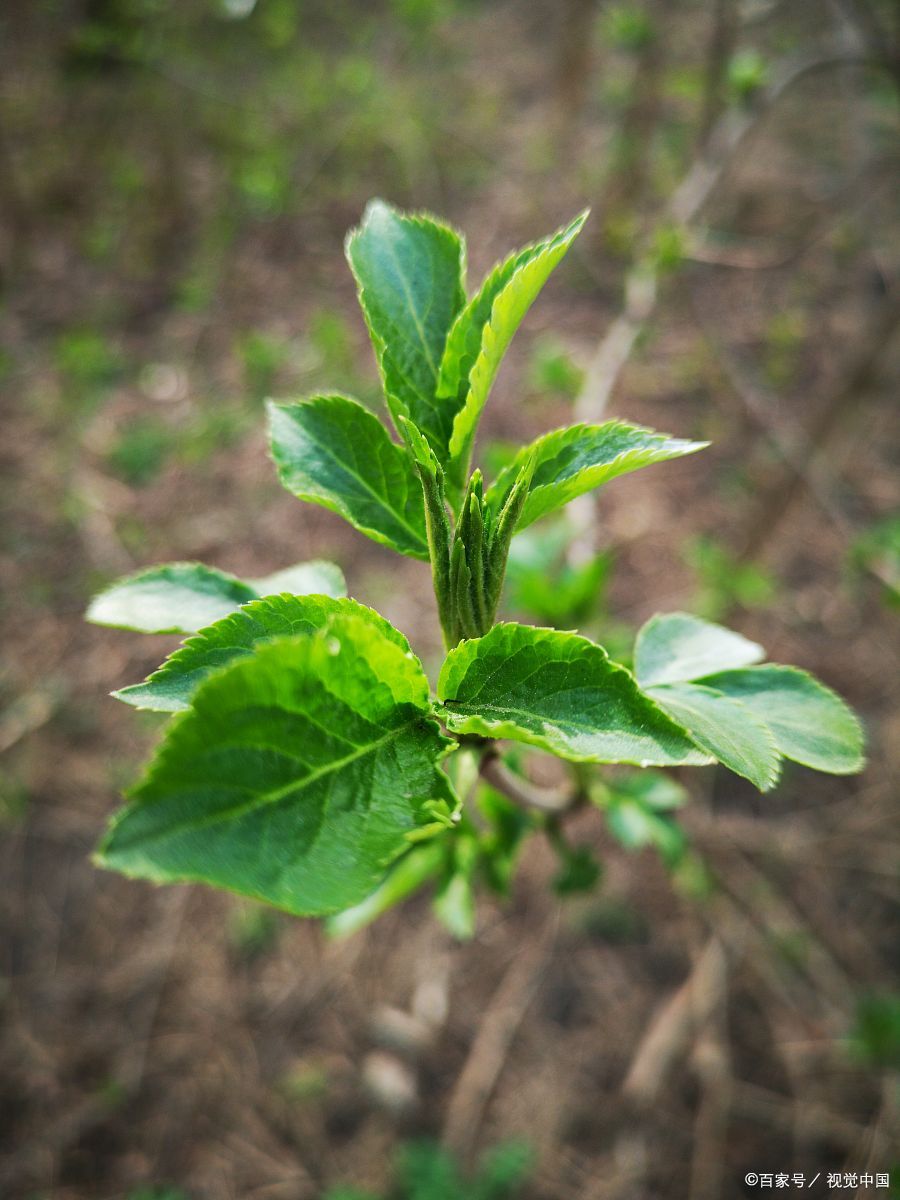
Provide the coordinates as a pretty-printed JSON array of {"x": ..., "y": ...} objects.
[
  {"x": 305, "y": 579},
  {"x": 561, "y": 692},
  {"x": 184, "y": 597},
  {"x": 810, "y": 723},
  {"x": 489, "y": 322},
  {"x": 725, "y": 727},
  {"x": 332, "y": 451},
  {"x": 409, "y": 269},
  {"x": 406, "y": 876},
  {"x": 570, "y": 462},
  {"x": 295, "y": 778},
  {"x": 676, "y": 648},
  {"x": 236, "y": 636}
]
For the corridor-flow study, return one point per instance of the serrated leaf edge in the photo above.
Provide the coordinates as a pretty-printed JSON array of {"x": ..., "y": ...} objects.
[
  {"x": 773, "y": 773},
  {"x": 196, "y": 640},
  {"x": 860, "y": 760}
]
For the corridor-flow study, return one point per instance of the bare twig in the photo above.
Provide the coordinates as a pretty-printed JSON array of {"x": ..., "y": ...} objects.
[
  {"x": 778, "y": 500},
  {"x": 668, "y": 1039},
  {"x": 685, "y": 204},
  {"x": 489, "y": 1050},
  {"x": 712, "y": 1065},
  {"x": 768, "y": 1108},
  {"x": 675, "y": 1025},
  {"x": 721, "y": 44}
]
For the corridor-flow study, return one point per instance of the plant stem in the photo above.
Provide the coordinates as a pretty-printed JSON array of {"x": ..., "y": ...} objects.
[{"x": 522, "y": 791}]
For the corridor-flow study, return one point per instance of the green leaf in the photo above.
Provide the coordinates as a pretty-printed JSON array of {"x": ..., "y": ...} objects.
[
  {"x": 410, "y": 270},
  {"x": 297, "y": 776},
  {"x": 454, "y": 906},
  {"x": 406, "y": 876},
  {"x": 236, "y": 636},
  {"x": 570, "y": 462},
  {"x": 634, "y": 827},
  {"x": 305, "y": 579},
  {"x": 579, "y": 870},
  {"x": 332, "y": 451},
  {"x": 676, "y": 648},
  {"x": 725, "y": 727},
  {"x": 184, "y": 597},
  {"x": 650, "y": 789},
  {"x": 561, "y": 692},
  {"x": 484, "y": 329},
  {"x": 810, "y": 723}
]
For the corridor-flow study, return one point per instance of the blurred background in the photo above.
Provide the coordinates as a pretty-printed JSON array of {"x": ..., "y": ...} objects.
[{"x": 176, "y": 180}]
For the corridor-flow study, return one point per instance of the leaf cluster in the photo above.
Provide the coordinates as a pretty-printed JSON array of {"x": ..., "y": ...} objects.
[{"x": 306, "y": 762}]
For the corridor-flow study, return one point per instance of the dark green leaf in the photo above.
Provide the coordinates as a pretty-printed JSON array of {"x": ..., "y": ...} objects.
[
  {"x": 332, "y": 451},
  {"x": 728, "y": 729},
  {"x": 236, "y": 636},
  {"x": 570, "y": 462},
  {"x": 296, "y": 777},
  {"x": 560, "y": 692},
  {"x": 409, "y": 268},
  {"x": 810, "y": 723},
  {"x": 676, "y": 648},
  {"x": 484, "y": 329},
  {"x": 579, "y": 870}
]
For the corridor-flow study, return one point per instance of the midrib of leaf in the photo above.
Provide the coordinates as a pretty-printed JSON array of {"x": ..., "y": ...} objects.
[
  {"x": 475, "y": 710},
  {"x": 407, "y": 294},
  {"x": 378, "y": 499},
  {"x": 265, "y": 799}
]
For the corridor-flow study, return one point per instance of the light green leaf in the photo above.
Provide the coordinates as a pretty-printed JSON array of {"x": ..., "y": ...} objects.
[
  {"x": 410, "y": 272},
  {"x": 454, "y": 906},
  {"x": 464, "y": 340},
  {"x": 236, "y": 636},
  {"x": 810, "y": 723},
  {"x": 725, "y": 727},
  {"x": 176, "y": 597},
  {"x": 676, "y": 648},
  {"x": 558, "y": 691},
  {"x": 406, "y": 876},
  {"x": 570, "y": 462},
  {"x": 185, "y": 597},
  {"x": 305, "y": 579},
  {"x": 650, "y": 789},
  {"x": 332, "y": 451},
  {"x": 487, "y": 325},
  {"x": 296, "y": 778}
]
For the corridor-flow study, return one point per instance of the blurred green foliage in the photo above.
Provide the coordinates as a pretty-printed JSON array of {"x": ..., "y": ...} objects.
[
  {"x": 158, "y": 1193},
  {"x": 628, "y": 27},
  {"x": 427, "y": 1172},
  {"x": 876, "y": 1035},
  {"x": 542, "y": 583},
  {"x": 723, "y": 581},
  {"x": 784, "y": 338},
  {"x": 141, "y": 450},
  {"x": 878, "y": 552},
  {"x": 748, "y": 72},
  {"x": 552, "y": 371},
  {"x": 639, "y": 807},
  {"x": 252, "y": 929}
]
